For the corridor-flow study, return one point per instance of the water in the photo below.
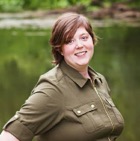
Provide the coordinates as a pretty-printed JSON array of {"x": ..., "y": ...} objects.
[{"x": 25, "y": 54}]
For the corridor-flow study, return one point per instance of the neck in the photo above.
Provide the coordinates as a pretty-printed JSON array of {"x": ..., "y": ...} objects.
[
  {"x": 83, "y": 70},
  {"x": 85, "y": 73}
]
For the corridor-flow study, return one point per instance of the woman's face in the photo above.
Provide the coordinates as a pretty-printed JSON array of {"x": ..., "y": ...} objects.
[{"x": 79, "y": 50}]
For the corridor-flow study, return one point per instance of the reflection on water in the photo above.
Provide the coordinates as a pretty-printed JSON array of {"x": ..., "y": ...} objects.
[{"x": 25, "y": 54}]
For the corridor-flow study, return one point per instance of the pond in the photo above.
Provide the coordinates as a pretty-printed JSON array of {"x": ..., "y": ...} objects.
[{"x": 25, "y": 54}]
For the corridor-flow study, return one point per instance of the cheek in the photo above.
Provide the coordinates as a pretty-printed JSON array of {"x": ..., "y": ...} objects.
[
  {"x": 67, "y": 50},
  {"x": 91, "y": 46}
]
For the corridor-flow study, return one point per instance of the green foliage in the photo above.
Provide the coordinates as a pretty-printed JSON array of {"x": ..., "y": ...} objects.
[
  {"x": 81, "y": 2},
  {"x": 11, "y": 5},
  {"x": 52, "y": 4},
  {"x": 17, "y": 5},
  {"x": 135, "y": 4}
]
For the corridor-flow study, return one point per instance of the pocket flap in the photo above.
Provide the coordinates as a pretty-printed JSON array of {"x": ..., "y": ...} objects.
[{"x": 81, "y": 110}]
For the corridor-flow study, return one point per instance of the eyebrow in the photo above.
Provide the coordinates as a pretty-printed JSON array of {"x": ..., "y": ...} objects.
[{"x": 84, "y": 34}]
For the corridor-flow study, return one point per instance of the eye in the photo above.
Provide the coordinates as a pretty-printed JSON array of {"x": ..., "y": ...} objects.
[
  {"x": 69, "y": 41},
  {"x": 84, "y": 38}
]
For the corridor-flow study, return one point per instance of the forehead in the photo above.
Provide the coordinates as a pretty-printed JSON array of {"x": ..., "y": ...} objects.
[
  {"x": 76, "y": 32},
  {"x": 80, "y": 31},
  {"x": 71, "y": 26}
]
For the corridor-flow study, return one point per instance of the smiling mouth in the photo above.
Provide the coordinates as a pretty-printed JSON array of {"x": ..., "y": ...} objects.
[{"x": 81, "y": 53}]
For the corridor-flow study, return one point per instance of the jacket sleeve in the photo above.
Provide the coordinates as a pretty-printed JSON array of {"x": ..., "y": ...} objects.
[{"x": 41, "y": 111}]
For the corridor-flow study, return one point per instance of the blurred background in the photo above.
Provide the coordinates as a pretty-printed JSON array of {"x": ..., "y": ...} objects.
[{"x": 25, "y": 53}]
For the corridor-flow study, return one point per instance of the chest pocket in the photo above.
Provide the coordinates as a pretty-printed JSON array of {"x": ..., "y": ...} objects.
[{"x": 89, "y": 117}]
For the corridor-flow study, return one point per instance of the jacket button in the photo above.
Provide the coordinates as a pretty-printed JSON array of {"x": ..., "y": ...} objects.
[
  {"x": 92, "y": 106},
  {"x": 16, "y": 116},
  {"x": 79, "y": 112}
]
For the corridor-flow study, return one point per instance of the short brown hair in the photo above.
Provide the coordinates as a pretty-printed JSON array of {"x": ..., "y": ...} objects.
[{"x": 64, "y": 29}]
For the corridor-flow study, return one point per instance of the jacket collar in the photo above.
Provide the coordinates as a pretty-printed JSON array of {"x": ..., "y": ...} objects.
[{"x": 77, "y": 77}]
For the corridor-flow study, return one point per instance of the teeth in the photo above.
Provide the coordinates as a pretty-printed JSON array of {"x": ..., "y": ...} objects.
[{"x": 80, "y": 53}]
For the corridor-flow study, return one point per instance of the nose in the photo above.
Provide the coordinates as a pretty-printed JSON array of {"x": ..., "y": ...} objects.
[{"x": 79, "y": 44}]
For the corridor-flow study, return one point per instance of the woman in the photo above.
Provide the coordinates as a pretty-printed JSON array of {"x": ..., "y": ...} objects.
[{"x": 71, "y": 102}]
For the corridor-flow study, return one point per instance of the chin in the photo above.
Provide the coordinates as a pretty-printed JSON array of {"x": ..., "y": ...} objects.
[
  {"x": 82, "y": 63},
  {"x": 85, "y": 62}
]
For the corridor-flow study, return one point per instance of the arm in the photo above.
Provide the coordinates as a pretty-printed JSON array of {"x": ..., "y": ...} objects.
[
  {"x": 6, "y": 136},
  {"x": 40, "y": 112}
]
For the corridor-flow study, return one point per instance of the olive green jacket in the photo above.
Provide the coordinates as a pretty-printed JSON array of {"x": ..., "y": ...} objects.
[{"x": 64, "y": 106}]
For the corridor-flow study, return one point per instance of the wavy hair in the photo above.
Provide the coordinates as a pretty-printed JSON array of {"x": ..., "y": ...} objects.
[{"x": 64, "y": 29}]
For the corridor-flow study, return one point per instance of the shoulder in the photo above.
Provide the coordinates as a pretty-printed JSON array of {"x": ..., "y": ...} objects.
[
  {"x": 54, "y": 75},
  {"x": 99, "y": 79},
  {"x": 96, "y": 74},
  {"x": 49, "y": 81},
  {"x": 104, "y": 81}
]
